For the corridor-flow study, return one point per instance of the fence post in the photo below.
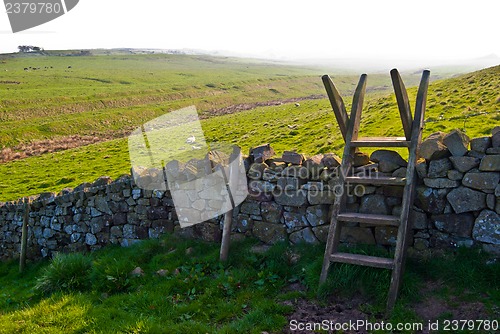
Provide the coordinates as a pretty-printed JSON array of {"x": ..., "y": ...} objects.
[{"x": 24, "y": 235}]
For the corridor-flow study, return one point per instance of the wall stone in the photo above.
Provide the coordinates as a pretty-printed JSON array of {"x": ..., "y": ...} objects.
[{"x": 457, "y": 203}]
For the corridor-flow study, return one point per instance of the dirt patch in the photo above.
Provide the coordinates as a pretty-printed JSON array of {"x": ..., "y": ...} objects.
[
  {"x": 40, "y": 147},
  {"x": 337, "y": 311},
  {"x": 248, "y": 106},
  {"x": 345, "y": 311}
]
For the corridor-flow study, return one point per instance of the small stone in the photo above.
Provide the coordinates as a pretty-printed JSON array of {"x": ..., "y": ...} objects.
[
  {"x": 289, "y": 183},
  {"x": 321, "y": 197},
  {"x": 481, "y": 181},
  {"x": 490, "y": 201},
  {"x": 360, "y": 159},
  {"x": 189, "y": 251},
  {"x": 455, "y": 175},
  {"x": 162, "y": 272},
  {"x": 357, "y": 235},
  {"x": 457, "y": 142},
  {"x": 464, "y": 199},
  {"x": 331, "y": 160},
  {"x": 269, "y": 233},
  {"x": 495, "y": 138},
  {"x": 290, "y": 197},
  {"x": 476, "y": 154},
  {"x": 386, "y": 235},
  {"x": 493, "y": 150},
  {"x": 250, "y": 207},
  {"x": 419, "y": 219},
  {"x": 294, "y": 220},
  {"x": 421, "y": 244},
  {"x": 400, "y": 172},
  {"x": 256, "y": 170},
  {"x": 433, "y": 148},
  {"x": 385, "y": 166},
  {"x": 90, "y": 239},
  {"x": 305, "y": 235},
  {"x": 490, "y": 163},
  {"x": 421, "y": 168},
  {"x": 137, "y": 272},
  {"x": 439, "y": 168},
  {"x": 317, "y": 214},
  {"x": 464, "y": 164},
  {"x": 441, "y": 183},
  {"x": 292, "y": 157},
  {"x": 271, "y": 212},
  {"x": 390, "y": 156},
  {"x": 298, "y": 172},
  {"x": 261, "y": 153},
  {"x": 374, "y": 204},
  {"x": 431, "y": 200},
  {"x": 315, "y": 166},
  {"x": 480, "y": 144},
  {"x": 459, "y": 225},
  {"x": 487, "y": 227},
  {"x": 242, "y": 223}
]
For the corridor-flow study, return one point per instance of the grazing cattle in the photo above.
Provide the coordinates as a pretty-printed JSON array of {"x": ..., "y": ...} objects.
[
  {"x": 69, "y": 66},
  {"x": 26, "y": 69}
]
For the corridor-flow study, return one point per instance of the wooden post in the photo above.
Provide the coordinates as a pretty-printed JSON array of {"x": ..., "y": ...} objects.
[
  {"x": 24, "y": 235},
  {"x": 234, "y": 164},
  {"x": 226, "y": 236}
]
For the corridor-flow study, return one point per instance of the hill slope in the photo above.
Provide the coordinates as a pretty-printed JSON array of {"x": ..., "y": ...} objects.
[{"x": 471, "y": 99}]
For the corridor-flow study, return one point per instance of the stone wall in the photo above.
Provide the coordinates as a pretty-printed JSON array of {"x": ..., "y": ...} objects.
[{"x": 457, "y": 203}]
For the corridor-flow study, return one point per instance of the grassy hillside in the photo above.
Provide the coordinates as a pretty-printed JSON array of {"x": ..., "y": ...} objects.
[{"x": 472, "y": 99}]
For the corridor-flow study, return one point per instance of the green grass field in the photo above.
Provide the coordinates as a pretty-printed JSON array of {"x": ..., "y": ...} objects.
[
  {"x": 253, "y": 292},
  {"x": 469, "y": 102}
]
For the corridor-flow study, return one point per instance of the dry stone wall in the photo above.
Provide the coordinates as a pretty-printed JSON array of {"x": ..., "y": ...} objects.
[{"x": 457, "y": 203}]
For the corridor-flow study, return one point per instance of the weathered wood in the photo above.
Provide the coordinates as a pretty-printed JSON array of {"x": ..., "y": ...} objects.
[
  {"x": 226, "y": 236},
  {"x": 363, "y": 260},
  {"x": 333, "y": 239},
  {"x": 24, "y": 235},
  {"x": 408, "y": 194},
  {"x": 403, "y": 103},
  {"x": 232, "y": 184},
  {"x": 337, "y": 104},
  {"x": 381, "y": 142},
  {"x": 413, "y": 134},
  {"x": 381, "y": 180},
  {"x": 380, "y": 220}
]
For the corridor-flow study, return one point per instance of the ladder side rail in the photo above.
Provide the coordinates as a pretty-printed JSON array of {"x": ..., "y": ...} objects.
[
  {"x": 340, "y": 200},
  {"x": 405, "y": 228},
  {"x": 403, "y": 103},
  {"x": 337, "y": 105}
]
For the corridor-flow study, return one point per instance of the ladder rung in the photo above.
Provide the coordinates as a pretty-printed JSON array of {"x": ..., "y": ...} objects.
[
  {"x": 382, "y": 220},
  {"x": 381, "y": 180},
  {"x": 381, "y": 142},
  {"x": 363, "y": 260}
]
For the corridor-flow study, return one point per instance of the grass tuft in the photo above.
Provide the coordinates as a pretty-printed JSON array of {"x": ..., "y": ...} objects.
[{"x": 66, "y": 272}]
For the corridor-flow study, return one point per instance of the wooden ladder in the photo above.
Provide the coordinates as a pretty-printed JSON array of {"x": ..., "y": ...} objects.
[{"x": 349, "y": 127}]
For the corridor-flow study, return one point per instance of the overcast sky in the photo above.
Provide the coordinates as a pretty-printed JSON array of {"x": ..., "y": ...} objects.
[{"x": 373, "y": 29}]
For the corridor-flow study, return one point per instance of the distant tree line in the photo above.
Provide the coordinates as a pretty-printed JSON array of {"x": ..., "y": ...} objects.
[{"x": 29, "y": 48}]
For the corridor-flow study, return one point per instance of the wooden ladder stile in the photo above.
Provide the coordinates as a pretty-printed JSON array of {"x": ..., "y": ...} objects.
[{"x": 349, "y": 127}]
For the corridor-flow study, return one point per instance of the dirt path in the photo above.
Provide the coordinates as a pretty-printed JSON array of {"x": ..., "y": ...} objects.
[
  {"x": 354, "y": 316},
  {"x": 40, "y": 147}
]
